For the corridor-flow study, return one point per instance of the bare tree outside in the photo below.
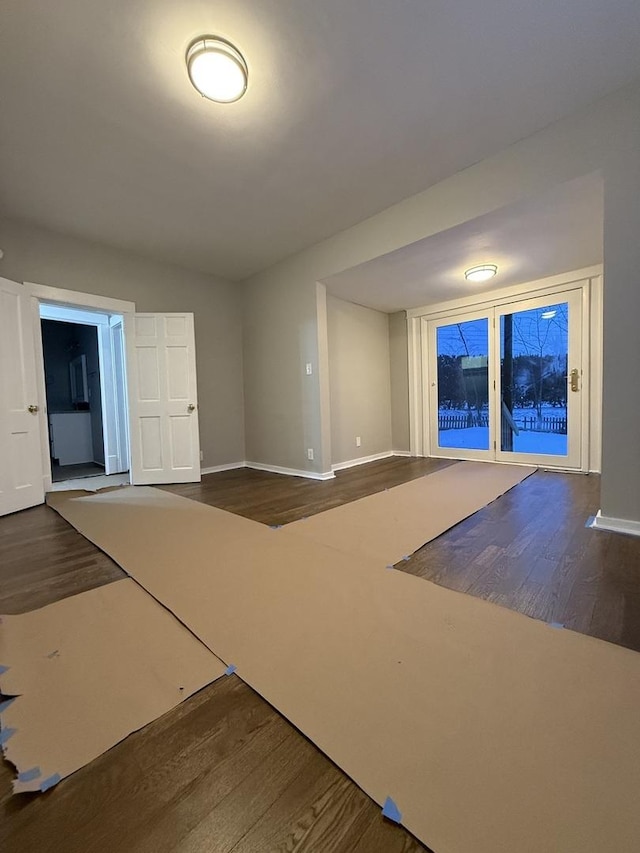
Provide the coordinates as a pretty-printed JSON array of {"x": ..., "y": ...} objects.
[{"x": 540, "y": 357}]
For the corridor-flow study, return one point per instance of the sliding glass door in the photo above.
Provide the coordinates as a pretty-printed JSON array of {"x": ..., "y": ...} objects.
[
  {"x": 539, "y": 381},
  {"x": 505, "y": 383}
]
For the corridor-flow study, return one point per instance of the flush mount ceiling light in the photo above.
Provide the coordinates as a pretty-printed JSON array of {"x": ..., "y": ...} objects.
[
  {"x": 216, "y": 69},
  {"x": 481, "y": 273}
]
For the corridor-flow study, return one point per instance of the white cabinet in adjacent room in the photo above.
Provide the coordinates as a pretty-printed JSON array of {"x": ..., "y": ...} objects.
[{"x": 71, "y": 440}]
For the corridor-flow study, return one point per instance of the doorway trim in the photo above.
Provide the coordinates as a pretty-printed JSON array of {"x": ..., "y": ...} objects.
[
  {"x": 68, "y": 298},
  {"x": 588, "y": 279}
]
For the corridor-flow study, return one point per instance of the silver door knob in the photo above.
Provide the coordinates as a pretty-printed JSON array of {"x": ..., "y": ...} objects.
[
  {"x": 33, "y": 409},
  {"x": 191, "y": 407}
]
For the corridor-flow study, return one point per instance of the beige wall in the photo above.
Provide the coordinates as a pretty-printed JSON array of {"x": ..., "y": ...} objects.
[
  {"x": 620, "y": 495},
  {"x": 606, "y": 137},
  {"x": 282, "y": 403},
  {"x": 45, "y": 257},
  {"x": 359, "y": 380},
  {"x": 399, "y": 359}
]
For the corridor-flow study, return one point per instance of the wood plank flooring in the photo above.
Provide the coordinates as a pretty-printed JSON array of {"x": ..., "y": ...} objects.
[{"x": 224, "y": 771}]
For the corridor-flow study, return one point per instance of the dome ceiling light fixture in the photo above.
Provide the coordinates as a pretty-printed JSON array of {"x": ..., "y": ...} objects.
[
  {"x": 483, "y": 272},
  {"x": 217, "y": 69}
]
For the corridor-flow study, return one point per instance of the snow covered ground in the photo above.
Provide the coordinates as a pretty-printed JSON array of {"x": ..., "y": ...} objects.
[{"x": 477, "y": 438}]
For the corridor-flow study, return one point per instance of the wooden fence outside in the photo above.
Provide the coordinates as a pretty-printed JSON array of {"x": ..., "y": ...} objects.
[{"x": 528, "y": 423}]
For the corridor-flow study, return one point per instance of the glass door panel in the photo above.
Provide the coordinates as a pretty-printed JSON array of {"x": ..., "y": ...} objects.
[
  {"x": 539, "y": 381},
  {"x": 460, "y": 411},
  {"x": 505, "y": 383}
]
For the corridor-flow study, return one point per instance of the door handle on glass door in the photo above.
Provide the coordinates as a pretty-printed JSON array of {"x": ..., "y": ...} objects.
[{"x": 574, "y": 376}]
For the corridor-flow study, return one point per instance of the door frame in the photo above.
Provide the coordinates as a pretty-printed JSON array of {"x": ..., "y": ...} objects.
[
  {"x": 588, "y": 280},
  {"x": 70, "y": 299}
]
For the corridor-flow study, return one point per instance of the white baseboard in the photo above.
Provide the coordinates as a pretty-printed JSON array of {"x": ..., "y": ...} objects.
[
  {"x": 230, "y": 466},
  {"x": 291, "y": 472},
  {"x": 362, "y": 460},
  {"x": 615, "y": 525},
  {"x": 310, "y": 475}
]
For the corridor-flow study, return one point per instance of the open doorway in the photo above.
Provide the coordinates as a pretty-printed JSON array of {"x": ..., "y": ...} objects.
[
  {"x": 74, "y": 406},
  {"x": 83, "y": 353},
  {"x": 148, "y": 392}
]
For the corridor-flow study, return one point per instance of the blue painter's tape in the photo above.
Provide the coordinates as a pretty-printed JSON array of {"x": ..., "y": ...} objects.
[
  {"x": 391, "y": 811},
  {"x": 406, "y": 557},
  {"x": 3, "y": 669},
  {"x": 4, "y": 705},
  {"x": 589, "y": 522},
  {"x": 275, "y": 526},
  {"x": 230, "y": 669},
  {"x": 29, "y": 775},
  {"x": 555, "y": 624},
  {"x": 49, "y": 782},
  {"x": 5, "y": 734},
  {"x": 389, "y": 567}
]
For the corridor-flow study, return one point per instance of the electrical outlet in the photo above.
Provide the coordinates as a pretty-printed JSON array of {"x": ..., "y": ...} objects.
[
  {"x": 310, "y": 454},
  {"x": 309, "y": 368},
  {"x": 358, "y": 441}
]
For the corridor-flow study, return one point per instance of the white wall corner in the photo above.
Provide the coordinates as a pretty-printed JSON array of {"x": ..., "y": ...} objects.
[
  {"x": 414, "y": 347},
  {"x": 324, "y": 390},
  {"x": 614, "y": 525}
]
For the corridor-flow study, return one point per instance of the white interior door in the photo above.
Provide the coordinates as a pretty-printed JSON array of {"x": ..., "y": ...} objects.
[
  {"x": 116, "y": 400},
  {"x": 21, "y": 472},
  {"x": 163, "y": 406},
  {"x": 113, "y": 395}
]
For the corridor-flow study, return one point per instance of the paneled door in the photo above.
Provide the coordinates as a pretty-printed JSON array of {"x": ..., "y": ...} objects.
[
  {"x": 163, "y": 405},
  {"x": 21, "y": 472}
]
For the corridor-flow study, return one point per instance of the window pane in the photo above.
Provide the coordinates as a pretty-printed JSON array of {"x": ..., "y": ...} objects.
[
  {"x": 533, "y": 357},
  {"x": 463, "y": 385}
]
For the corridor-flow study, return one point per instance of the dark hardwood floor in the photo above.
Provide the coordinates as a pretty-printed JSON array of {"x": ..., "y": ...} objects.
[{"x": 224, "y": 771}]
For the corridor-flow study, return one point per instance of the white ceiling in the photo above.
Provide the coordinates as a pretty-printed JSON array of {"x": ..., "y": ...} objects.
[
  {"x": 555, "y": 232},
  {"x": 352, "y": 105}
]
